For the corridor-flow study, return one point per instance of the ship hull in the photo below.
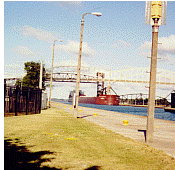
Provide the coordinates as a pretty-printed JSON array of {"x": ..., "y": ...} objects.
[
  {"x": 107, "y": 100},
  {"x": 101, "y": 100}
]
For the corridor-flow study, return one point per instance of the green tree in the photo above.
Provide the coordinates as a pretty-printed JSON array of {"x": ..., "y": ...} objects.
[{"x": 32, "y": 77}]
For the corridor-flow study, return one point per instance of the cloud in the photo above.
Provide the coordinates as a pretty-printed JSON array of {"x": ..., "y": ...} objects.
[
  {"x": 12, "y": 71},
  {"x": 72, "y": 63},
  {"x": 146, "y": 45},
  {"x": 22, "y": 50},
  {"x": 168, "y": 44},
  {"x": 76, "y": 3},
  {"x": 73, "y": 47},
  {"x": 14, "y": 75},
  {"x": 166, "y": 57},
  {"x": 10, "y": 66},
  {"x": 68, "y": 4},
  {"x": 39, "y": 34},
  {"x": 145, "y": 53},
  {"x": 166, "y": 50},
  {"x": 121, "y": 43}
]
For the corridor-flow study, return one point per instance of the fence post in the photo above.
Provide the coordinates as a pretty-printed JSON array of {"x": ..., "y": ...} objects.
[
  {"x": 4, "y": 95},
  {"x": 16, "y": 101},
  {"x": 10, "y": 94},
  {"x": 27, "y": 100},
  {"x": 40, "y": 101},
  {"x": 36, "y": 97}
]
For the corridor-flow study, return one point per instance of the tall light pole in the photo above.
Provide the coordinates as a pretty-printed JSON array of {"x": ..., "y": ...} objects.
[
  {"x": 79, "y": 60},
  {"x": 51, "y": 76},
  {"x": 155, "y": 15}
]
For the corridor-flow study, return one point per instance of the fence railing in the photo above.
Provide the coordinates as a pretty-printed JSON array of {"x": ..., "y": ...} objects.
[{"x": 22, "y": 100}]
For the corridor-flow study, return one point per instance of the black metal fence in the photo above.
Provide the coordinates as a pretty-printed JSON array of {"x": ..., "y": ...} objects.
[
  {"x": 24, "y": 100},
  {"x": 173, "y": 99}
]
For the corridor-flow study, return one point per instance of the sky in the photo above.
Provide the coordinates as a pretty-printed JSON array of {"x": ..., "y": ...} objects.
[{"x": 117, "y": 40}]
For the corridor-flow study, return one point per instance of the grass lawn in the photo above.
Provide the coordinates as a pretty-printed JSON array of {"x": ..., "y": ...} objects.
[{"x": 55, "y": 139}]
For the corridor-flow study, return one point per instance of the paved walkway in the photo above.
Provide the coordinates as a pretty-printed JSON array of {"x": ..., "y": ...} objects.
[{"x": 164, "y": 130}]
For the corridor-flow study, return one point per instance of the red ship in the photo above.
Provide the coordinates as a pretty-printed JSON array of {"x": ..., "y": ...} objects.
[
  {"x": 103, "y": 99},
  {"x": 103, "y": 96}
]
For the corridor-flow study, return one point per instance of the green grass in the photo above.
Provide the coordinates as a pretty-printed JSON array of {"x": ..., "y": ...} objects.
[{"x": 79, "y": 144}]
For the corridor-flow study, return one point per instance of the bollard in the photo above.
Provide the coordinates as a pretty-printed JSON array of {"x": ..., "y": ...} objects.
[
  {"x": 125, "y": 122},
  {"x": 95, "y": 114},
  {"x": 71, "y": 108}
]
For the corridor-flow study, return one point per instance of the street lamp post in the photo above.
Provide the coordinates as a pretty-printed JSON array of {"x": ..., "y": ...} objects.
[
  {"x": 79, "y": 60},
  {"x": 51, "y": 76}
]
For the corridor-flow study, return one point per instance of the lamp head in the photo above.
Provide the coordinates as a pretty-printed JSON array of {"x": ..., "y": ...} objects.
[
  {"x": 98, "y": 14},
  {"x": 155, "y": 10}
]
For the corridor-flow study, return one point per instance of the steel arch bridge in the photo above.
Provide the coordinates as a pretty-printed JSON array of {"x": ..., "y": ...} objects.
[{"x": 134, "y": 75}]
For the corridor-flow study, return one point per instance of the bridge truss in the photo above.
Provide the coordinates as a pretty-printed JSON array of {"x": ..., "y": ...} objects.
[{"x": 134, "y": 75}]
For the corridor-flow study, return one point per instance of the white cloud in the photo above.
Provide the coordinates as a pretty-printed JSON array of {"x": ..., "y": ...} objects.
[
  {"x": 73, "y": 47},
  {"x": 145, "y": 53},
  {"x": 124, "y": 43},
  {"x": 66, "y": 4},
  {"x": 168, "y": 44},
  {"x": 14, "y": 70},
  {"x": 22, "y": 50},
  {"x": 10, "y": 66},
  {"x": 166, "y": 49},
  {"x": 39, "y": 34},
  {"x": 146, "y": 45},
  {"x": 77, "y": 3},
  {"x": 16, "y": 74},
  {"x": 166, "y": 57},
  {"x": 72, "y": 63},
  {"x": 71, "y": 66},
  {"x": 121, "y": 43}
]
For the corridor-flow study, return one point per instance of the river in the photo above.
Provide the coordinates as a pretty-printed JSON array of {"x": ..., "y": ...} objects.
[{"x": 141, "y": 111}]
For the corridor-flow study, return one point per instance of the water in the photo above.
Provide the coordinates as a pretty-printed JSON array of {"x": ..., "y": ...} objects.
[{"x": 141, "y": 111}]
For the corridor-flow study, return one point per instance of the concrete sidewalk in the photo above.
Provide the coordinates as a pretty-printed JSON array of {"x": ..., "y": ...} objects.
[{"x": 164, "y": 130}]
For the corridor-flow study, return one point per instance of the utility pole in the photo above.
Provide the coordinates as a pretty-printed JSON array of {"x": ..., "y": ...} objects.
[
  {"x": 51, "y": 76},
  {"x": 155, "y": 15},
  {"x": 152, "y": 83}
]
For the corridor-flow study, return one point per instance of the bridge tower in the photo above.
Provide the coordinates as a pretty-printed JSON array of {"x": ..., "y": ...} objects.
[{"x": 100, "y": 86}]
